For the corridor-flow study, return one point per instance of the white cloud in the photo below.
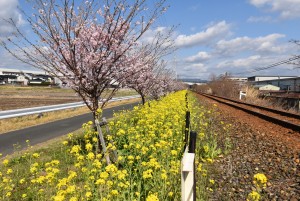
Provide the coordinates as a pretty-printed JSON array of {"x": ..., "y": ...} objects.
[
  {"x": 260, "y": 19},
  {"x": 242, "y": 62},
  {"x": 240, "y": 54},
  {"x": 248, "y": 65},
  {"x": 263, "y": 45},
  {"x": 288, "y": 9},
  {"x": 9, "y": 10},
  {"x": 150, "y": 34},
  {"x": 200, "y": 56},
  {"x": 193, "y": 70},
  {"x": 212, "y": 33}
]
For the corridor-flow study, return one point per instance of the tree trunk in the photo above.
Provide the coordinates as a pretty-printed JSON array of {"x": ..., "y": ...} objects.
[{"x": 143, "y": 99}]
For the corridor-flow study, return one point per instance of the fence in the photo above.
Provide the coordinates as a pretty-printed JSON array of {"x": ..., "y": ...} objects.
[{"x": 188, "y": 174}]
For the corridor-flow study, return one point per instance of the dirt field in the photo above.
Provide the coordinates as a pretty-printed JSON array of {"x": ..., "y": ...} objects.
[
  {"x": 22, "y": 97},
  {"x": 13, "y": 97}
]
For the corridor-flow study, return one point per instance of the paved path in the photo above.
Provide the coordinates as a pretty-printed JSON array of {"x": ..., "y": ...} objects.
[{"x": 44, "y": 132}]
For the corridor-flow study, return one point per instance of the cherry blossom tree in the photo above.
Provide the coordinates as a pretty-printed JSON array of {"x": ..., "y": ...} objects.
[
  {"x": 145, "y": 74},
  {"x": 87, "y": 44},
  {"x": 163, "y": 83}
]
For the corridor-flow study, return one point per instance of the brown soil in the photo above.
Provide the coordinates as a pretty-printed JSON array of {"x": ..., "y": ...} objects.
[{"x": 258, "y": 147}]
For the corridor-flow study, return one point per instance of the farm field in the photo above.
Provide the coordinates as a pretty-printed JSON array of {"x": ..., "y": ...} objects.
[{"x": 14, "y": 97}]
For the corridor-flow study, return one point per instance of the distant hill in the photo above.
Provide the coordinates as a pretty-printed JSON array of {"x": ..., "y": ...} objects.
[{"x": 192, "y": 80}]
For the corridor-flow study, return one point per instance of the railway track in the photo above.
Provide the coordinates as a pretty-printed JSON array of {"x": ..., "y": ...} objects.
[{"x": 282, "y": 118}]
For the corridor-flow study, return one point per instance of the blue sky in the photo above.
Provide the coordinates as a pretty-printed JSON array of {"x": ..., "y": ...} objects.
[{"x": 218, "y": 36}]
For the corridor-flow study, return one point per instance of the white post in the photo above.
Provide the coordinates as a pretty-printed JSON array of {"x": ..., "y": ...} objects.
[
  {"x": 187, "y": 176},
  {"x": 242, "y": 93}
]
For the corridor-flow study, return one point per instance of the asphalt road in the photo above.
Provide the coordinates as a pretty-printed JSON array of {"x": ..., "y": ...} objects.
[{"x": 44, "y": 132}]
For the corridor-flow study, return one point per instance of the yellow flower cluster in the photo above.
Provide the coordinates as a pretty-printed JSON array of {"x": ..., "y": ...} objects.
[
  {"x": 260, "y": 180},
  {"x": 253, "y": 196},
  {"x": 148, "y": 141}
]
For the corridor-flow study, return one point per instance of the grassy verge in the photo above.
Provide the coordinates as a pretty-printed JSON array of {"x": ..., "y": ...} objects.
[
  {"x": 16, "y": 123},
  {"x": 213, "y": 142}
]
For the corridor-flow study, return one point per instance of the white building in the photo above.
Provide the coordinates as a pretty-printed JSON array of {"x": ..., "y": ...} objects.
[
  {"x": 267, "y": 87},
  {"x": 288, "y": 84},
  {"x": 257, "y": 78},
  {"x": 23, "y": 77}
]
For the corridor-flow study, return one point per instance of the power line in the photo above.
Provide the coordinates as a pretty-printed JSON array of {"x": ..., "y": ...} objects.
[{"x": 272, "y": 65}]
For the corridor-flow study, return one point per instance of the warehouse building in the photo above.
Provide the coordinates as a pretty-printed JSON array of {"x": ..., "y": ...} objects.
[{"x": 286, "y": 83}]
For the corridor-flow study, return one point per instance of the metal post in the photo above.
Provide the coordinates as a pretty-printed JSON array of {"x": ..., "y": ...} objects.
[
  {"x": 192, "y": 148},
  {"x": 192, "y": 143},
  {"x": 187, "y": 127}
]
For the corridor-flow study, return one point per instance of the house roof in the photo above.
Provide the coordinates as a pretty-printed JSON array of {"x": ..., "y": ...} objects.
[{"x": 8, "y": 76}]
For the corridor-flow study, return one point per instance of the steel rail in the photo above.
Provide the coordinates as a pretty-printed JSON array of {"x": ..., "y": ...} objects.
[
  {"x": 283, "y": 123},
  {"x": 283, "y": 113}
]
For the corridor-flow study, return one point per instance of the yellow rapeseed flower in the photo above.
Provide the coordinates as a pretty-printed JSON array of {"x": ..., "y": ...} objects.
[
  {"x": 71, "y": 189},
  {"x": 88, "y": 194},
  {"x": 253, "y": 196},
  {"x": 104, "y": 175},
  {"x": 22, "y": 181},
  {"x": 54, "y": 162},
  {"x": 94, "y": 139},
  {"x": 174, "y": 152},
  {"x": 59, "y": 198},
  {"x": 130, "y": 157},
  {"x": 147, "y": 174},
  {"x": 8, "y": 194},
  {"x": 36, "y": 155},
  {"x": 260, "y": 180},
  {"x": 111, "y": 168},
  {"x": 70, "y": 136},
  {"x": 90, "y": 156},
  {"x": 164, "y": 176},
  {"x": 73, "y": 199},
  {"x": 152, "y": 197},
  {"x": 75, "y": 149},
  {"x": 100, "y": 181},
  {"x": 5, "y": 162},
  {"x": 114, "y": 192},
  {"x": 9, "y": 171},
  {"x": 89, "y": 147},
  {"x": 72, "y": 175},
  {"x": 97, "y": 163}
]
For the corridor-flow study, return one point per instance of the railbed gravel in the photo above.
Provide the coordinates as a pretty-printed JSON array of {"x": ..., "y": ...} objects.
[{"x": 257, "y": 147}]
